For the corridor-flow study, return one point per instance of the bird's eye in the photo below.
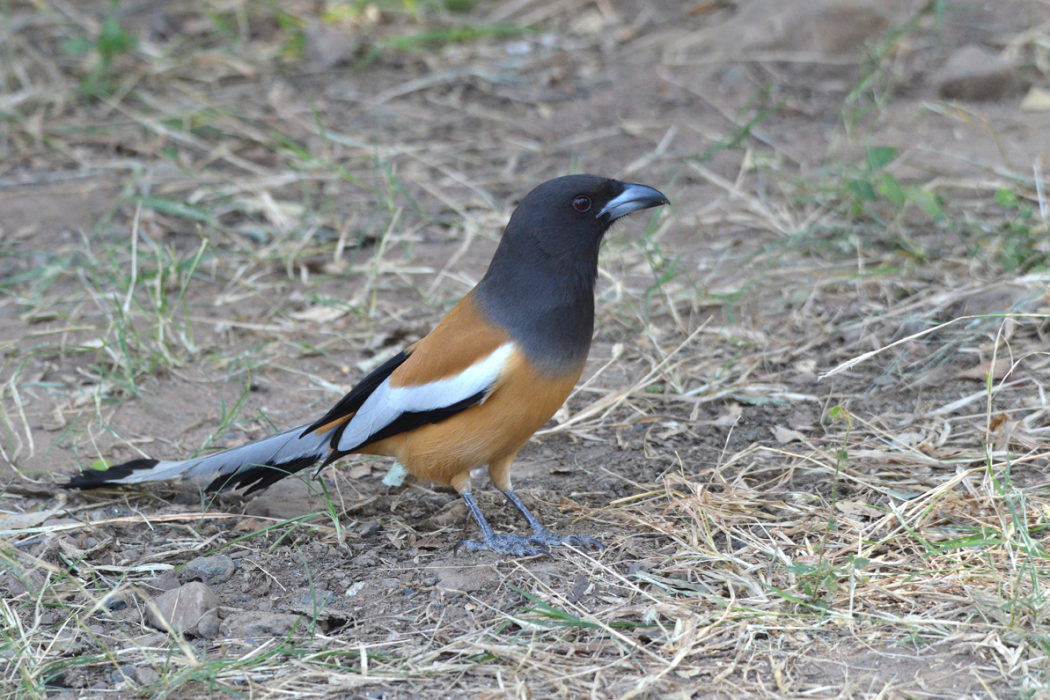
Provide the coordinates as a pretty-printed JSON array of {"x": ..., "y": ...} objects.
[{"x": 581, "y": 203}]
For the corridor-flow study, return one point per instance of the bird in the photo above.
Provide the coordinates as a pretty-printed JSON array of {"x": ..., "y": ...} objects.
[{"x": 473, "y": 391}]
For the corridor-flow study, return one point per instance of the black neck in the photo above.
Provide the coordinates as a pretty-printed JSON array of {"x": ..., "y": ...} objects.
[{"x": 548, "y": 309}]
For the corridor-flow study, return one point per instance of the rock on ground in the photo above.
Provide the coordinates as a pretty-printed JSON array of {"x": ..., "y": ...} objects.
[
  {"x": 253, "y": 624},
  {"x": 288, "y": 498},
  {"x": 191, "y": 609},
  {"x": 326, "y": 47},
  {"x": 824, "y": 27},
  {"x": 164, "y": 581},
  {"x": 973, "y": 73},
  {"x": 465, "y": 579},
  {"x": 211, "y": 570},
  {"x": 144, "y": 675},
  {"x": 317, "y": 599}
]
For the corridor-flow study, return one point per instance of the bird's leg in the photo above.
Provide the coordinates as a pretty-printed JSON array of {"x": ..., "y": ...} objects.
[
  {"x": 504, "y": 544},
  {"x": 513, "y": 545},
  {"x": 542, "y": 535},
  {"x": 499, "y": 472}
]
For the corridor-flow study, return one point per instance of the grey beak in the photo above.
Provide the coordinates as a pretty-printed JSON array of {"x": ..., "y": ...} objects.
[{"x": 633, "y": 198}]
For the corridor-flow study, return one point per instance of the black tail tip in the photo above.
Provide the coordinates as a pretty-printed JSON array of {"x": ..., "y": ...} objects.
[{"x": 94, "y": 478}]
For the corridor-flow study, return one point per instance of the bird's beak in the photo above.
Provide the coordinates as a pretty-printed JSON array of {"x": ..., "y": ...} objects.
[{"x": 633, "y": 198}]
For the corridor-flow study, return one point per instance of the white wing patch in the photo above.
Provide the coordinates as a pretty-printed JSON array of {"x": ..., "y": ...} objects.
[{"x": 387, "y": 403}]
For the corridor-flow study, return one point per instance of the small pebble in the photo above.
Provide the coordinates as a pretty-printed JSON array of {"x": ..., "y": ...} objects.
[
  {"x": 370, "y": 529},
  {"x": 317, "y": 599},
  {"x": 122, "y": 674},
  {"x": 186, "y": 608},
  {"x": 211, "y": 570},
  {"x": 144, "y": 675}
]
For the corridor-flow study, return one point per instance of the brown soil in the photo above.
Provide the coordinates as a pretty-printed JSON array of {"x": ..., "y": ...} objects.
[{"x": 761, "y": 296}]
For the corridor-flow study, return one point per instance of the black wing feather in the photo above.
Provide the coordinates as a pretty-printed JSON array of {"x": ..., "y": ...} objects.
[
  {"x": 409, "y": 420},
  {"x": 350, "y": 403},
  {"x": 260, "y": 476}
]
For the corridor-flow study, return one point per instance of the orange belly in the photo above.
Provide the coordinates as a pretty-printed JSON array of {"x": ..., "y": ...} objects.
[{"x": 445, "y": 452}]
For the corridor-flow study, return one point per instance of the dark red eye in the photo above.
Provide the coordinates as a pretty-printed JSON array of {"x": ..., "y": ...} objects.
[{"x": 582, "y": 203}]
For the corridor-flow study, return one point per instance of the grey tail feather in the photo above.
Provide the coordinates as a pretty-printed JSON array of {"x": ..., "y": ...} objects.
[{"x": 255, "y": 465}]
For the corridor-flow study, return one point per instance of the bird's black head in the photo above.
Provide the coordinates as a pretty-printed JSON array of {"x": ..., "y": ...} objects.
[
  {"x": 540, "y": 284},
  {"x": 567, "y": 217}
]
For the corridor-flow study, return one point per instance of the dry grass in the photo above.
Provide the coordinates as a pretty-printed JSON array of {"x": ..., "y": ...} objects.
[{"x": 826, "y": 416}]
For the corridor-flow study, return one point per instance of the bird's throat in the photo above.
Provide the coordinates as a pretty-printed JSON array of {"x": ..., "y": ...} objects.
[{"x": 551, "y": 317}]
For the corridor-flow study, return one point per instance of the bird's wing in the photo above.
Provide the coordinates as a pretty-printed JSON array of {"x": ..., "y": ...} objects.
[
  {"x": 255, "y": 467},
  {"x": 397, "y": 409},
  {"x": 349, "y": 404},
  {"x": 455, "y": 367}
]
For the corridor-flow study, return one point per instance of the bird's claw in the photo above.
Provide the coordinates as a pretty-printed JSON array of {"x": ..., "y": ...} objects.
[
  {"x": 511, "y": 545},
  {"x": 552, "y": 539},
  {"x": 516, "y": 546}
]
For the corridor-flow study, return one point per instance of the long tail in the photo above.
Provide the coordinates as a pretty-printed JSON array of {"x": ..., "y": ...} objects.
[{"x": 253, "y": 466}]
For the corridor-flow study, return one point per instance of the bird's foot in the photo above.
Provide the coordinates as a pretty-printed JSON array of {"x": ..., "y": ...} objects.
[
  {"x": 552, "y": 539},
  {"x": 511, "y": 545}
]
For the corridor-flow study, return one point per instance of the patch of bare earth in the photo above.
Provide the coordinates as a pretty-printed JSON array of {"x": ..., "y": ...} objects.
[{"x": 813, "y": 430}]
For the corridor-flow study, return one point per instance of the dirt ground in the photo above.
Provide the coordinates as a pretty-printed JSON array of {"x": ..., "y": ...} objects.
[{"x": 214, "y": 233}]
